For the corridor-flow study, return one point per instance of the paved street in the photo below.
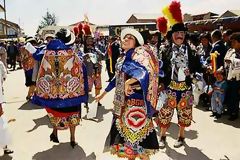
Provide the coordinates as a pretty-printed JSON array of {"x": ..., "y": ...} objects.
[{"x": 205, "y": 139}]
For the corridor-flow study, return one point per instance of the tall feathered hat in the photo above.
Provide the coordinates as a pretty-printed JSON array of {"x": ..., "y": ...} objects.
[
  {"x": 82, "y": 28},
  {"x": 172, "y": 19}
]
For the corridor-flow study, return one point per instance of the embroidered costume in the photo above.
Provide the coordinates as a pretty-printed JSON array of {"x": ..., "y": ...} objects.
[
  {"x": 61, "y": 85},
  {"x": 132, "y": 133}
]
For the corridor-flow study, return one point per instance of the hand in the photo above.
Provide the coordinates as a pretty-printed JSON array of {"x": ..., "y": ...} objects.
[
  {"x": 98, "y": 98},
  {"x": 128, "y": 89}
]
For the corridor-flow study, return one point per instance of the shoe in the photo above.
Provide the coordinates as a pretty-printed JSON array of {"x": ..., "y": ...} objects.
[
  {"x": 99, "y": 104},
  {"x": 213, "y": 114},
  {"x": 233, "y": 117},
  {"x": 162, "y": 142},
  {"x": 209, "y": 109},
  {"x": 54, "y": 138},
  {"x": 217, "y": 116},
  {"x": 8, "y": 151},
  {"x": 179, "y": 142},
  {"x": 28, "y": 98},
  {"x": 73, "y": 144}
]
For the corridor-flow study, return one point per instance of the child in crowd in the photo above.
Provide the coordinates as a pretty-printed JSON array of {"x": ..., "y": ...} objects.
[
  {"x": 198, "y": 87},
  {"x": 218, "y": 94}
]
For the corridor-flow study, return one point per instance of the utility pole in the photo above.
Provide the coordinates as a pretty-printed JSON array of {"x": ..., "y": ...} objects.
[{"x": 5, "y": 18}]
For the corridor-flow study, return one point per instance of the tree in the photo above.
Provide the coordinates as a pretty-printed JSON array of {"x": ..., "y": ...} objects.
[{"x": 48, "y": 20}]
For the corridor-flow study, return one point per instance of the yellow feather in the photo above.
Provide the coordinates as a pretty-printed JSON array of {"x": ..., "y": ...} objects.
[{"x": 168, "y": 15}]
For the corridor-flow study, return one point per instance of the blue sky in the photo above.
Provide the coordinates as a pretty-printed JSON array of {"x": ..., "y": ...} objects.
[{"x": 28, "y": 13}]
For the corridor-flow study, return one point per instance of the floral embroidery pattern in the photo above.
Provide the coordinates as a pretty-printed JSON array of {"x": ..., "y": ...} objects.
[{"x": 60, "y": 75}]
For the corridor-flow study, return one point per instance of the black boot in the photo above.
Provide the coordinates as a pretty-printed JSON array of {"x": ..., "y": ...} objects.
[
  {"x": 54, "y": 138},
  {"x": 218, "y": 116}
]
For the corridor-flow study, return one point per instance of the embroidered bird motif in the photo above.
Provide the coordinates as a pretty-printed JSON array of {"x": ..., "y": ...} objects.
[
  {"x": 69, "y": 64},
  {"x": 46, "y": 65}
]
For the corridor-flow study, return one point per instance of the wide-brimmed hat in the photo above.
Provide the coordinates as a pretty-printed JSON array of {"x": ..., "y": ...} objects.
[
  {"x": 66, "y": 36},
  {"x": 30, "y": 39},
  {"x": 49, "y": 35},
  {"x": 133, "y": 32}
]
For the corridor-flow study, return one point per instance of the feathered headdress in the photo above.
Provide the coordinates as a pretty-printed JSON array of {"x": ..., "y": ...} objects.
[
  {"x": 162, "y": 25},
  {"x": 76, "y": 31},
  {"x": 80, "y": 27},
  {"x": 87, "y": 30},
  {"x": 172, "y": 18},
  {"x": 173, "y": 13}
]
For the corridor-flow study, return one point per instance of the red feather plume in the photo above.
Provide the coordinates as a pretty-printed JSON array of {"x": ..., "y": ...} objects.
[
  {"x": 86, "y": 29},
  {"x": 80, "y": 27},
  {"x": 162, "y": 24},
  {"x": 175, "y": 9},
  {"x": 75, "y": 31}
]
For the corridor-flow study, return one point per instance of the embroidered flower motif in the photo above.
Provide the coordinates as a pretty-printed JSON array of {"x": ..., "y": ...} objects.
[
  {"x": 183, "y": 103},
  {"x": 172, "y": 102},
  {"x": 129, "y": 151}
]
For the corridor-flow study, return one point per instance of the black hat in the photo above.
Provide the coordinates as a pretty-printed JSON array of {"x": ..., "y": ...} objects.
[
  {"x": 66, "y": 36},
  {"x": 178, "y": 27}
]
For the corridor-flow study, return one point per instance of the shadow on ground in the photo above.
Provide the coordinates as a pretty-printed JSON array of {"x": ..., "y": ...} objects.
[
  {"x": 173, "y": 132},
  {"x": 41, "y": 122},
  {"x": 192, "y": 153},
  {"x": 64, "y": 151},
  {"x": 223, "y": 119},
  {"x": 29, "y": 106},
  {"x": 6, "y": 157},
  {"x": 101, "y": 110}
]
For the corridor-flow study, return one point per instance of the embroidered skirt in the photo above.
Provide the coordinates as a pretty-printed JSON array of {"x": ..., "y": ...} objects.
[
  {"x": 133, "y": 135},
  {"x": 65, "y": 117}
]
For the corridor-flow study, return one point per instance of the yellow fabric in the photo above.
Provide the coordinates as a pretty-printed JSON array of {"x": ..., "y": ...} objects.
[
  {"x": 111, "y": 67},
  {"x": 214, "y": 63},
  {"x": 169, "y": 16}
]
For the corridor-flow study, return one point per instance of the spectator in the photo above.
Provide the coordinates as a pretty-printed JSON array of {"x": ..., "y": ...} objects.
[{"x": 234, "y": 77}]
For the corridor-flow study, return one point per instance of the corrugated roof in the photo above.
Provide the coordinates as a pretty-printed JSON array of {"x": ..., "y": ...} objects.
[{"x": 9, "y": 23}]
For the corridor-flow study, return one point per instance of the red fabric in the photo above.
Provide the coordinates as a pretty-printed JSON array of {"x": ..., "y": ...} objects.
[{"x": 59, "y": 114}]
